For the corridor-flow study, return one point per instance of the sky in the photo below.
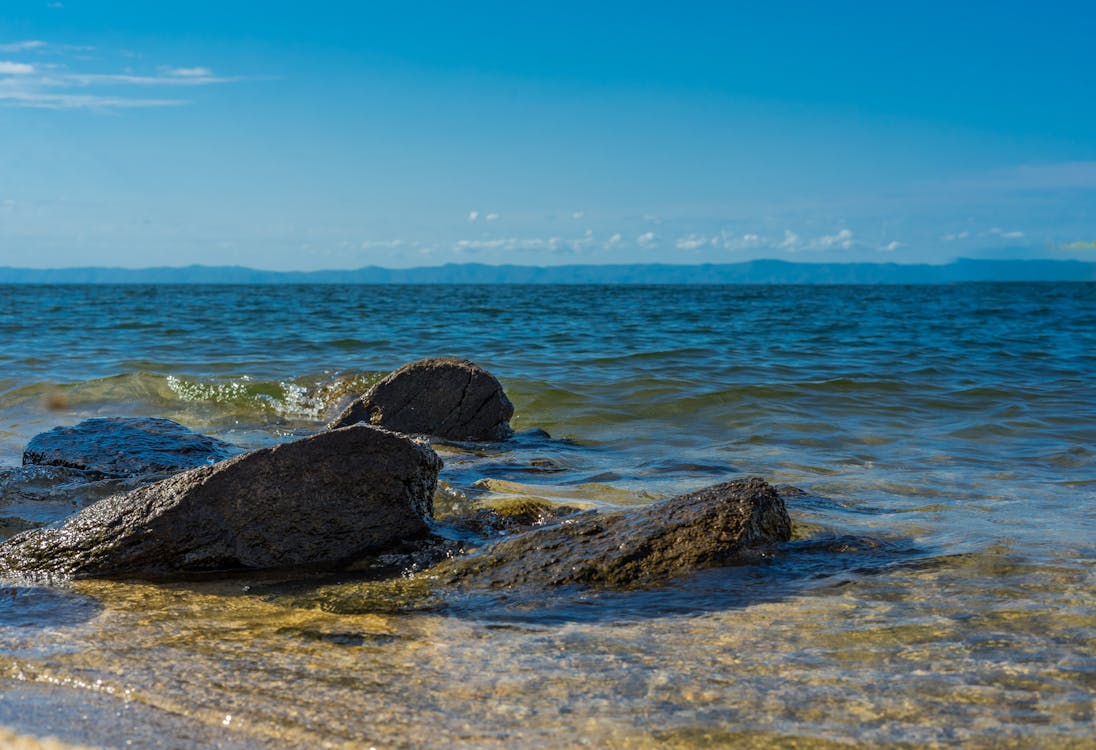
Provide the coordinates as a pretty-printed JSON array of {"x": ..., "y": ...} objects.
[{"x": 302, "y": 136}]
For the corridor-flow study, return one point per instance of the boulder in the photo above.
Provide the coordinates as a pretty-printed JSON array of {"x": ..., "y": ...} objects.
[
  {"x": 445, "y": 397},
  {"x": 126, "y": 446},
  {"x": 633, "y": 547},
  {"x": 321, "y": 499}
]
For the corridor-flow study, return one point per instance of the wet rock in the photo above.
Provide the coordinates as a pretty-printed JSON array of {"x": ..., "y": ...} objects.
[
  {"x": 509, "y": 517},
  {"x": 445, "y": 397},
  {"x": 322, "y": 499},
  {"x": 634, "y": 547},
  {"x": 126, "y": 446}
]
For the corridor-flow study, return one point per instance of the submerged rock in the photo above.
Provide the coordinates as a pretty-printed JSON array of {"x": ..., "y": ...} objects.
[
  {"x": 627, "y": 549},
  {"x": 126, "y": 446},
  {"x": 633, "y": 547},
  {"x": 322, "y": 499},
  {"x": 445, "y": 397}
]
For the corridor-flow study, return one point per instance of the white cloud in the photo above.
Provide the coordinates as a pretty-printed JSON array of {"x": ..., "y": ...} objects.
[
  {"x": 791, "y": 240},
  {"x": 647, "y": 239},
  {"x": 22, "y": 46},
  {"x": 8, "y": 68},
  {"x": 381, "y": 244},
  {"x": 614, "y": 240},
  {"x": 79, "y": 101},
  {"x": 578, "y": 215},
  {"x": 893, "y": 245},
  {"x": 190, "y": 72},
  {"x": 473, "y": 216},
  {"x": 692, "y": 242},
  {"x": 1012, "y": 235},
  {"x": 751, "y": 238},
  {"x": 170, "y": 79},
  {"x": 491, "y": 217},
  {"x": 953, "y": 236},
  {"x": 508, "y": 243},
  {"x": 554, "y": 244},
  {"x": 51, "y": 86},
  {"x": 842, "y": 239}
]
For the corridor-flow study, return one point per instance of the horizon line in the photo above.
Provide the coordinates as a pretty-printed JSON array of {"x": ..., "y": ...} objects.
[{"x": 452, "y": 264}]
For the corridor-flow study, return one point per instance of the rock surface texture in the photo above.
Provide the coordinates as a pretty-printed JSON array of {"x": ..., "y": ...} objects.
[
  {"x": 444, "y": 397},
  {"x": 634, "y": 547},
  {"x": 321, "y": 499},
  {"x": 126, "y": 446}
]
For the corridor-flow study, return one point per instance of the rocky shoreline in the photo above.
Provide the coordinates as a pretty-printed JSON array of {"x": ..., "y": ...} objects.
[{"x": 365, "y": 487}]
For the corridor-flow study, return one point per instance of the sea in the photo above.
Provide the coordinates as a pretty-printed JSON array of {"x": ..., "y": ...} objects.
[{"x": 939, "y": 589}]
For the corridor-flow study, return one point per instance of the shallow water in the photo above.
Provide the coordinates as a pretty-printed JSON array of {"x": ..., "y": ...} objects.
[{"x": 939, "y": 591}]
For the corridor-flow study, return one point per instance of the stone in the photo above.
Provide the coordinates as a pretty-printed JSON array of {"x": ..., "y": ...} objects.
[
  {"x": 633, "y": 547},
  {"x": 320, "y": 500},
  {"x": 126, "y": 446},
  {"x": 443, "y": 397}
]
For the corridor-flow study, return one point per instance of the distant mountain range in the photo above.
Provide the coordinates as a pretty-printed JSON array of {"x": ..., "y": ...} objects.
[{"x": 751, "y": 272}]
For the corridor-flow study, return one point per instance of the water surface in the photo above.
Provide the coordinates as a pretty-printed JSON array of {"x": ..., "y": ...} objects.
[{"x": 939, "y": 591}]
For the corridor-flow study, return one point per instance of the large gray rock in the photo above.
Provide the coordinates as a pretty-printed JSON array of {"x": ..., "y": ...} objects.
[
  {"x": 126, "y": 446},
  {"x": 633, "y": 547},
  {"x": 322, "y": 499},
  {"x": 445, "y": 397}
]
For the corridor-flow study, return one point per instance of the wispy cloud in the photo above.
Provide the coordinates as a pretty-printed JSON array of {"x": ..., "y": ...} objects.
[
  {"x": 62, "y": 85},
  {"x": 190, "y": 72},
  {"x": 384, "y": 244},
  {"x": 26, "y": 46},
  {"x": 129, "y": 79},
  {"x": 78, "y": 101},
  {"x": 1081, "y": 245},
  {"x": 8, "y": 68},
  {"x": 1071, "y": 175},
  {"x": 555, "y": 244}
]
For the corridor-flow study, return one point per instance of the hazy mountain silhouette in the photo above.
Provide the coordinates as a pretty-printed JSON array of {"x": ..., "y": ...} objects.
[{"x": 750, "y": 272}]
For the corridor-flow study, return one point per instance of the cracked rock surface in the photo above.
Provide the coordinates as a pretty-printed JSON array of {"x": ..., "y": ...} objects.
[
  {"x": 321, "y": 499},
  {"x": 445, "y": 397}
]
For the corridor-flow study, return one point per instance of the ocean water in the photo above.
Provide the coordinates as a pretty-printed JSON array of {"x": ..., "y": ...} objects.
[{"x": 939, "y": 590}]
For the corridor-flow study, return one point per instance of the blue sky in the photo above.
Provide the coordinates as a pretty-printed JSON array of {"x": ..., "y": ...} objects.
[{"x": 286, "y": 135}]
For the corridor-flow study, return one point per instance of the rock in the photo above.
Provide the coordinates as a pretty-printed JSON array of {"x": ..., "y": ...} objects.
[
  {"x": 33, "y": 496},
  {"x": 322, "y": 499},
  {"x": 126, "y": 446},
  {"x": 445, "y": 397},
  {"x": 634, "y": 547},
  {"x": 627, "y": 549}
]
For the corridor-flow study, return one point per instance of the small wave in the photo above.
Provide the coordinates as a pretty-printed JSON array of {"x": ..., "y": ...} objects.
[
  {"x": 241, "y": 397},
  {"x": 303, "y": 398}
]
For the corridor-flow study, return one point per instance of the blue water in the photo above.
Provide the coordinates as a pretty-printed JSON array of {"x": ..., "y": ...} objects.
[{"x": 953, "y": 425}]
